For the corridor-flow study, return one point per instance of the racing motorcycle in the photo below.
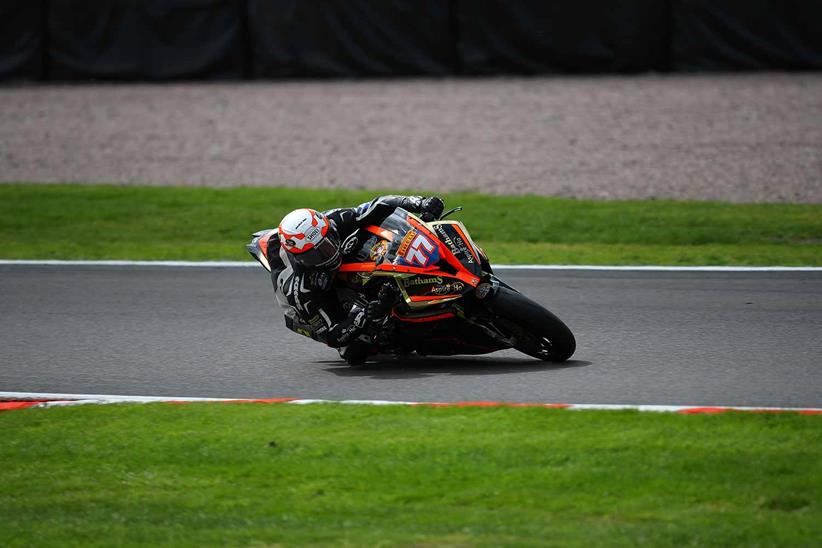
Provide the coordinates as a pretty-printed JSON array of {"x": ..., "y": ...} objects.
[{"x": 446, "y": 299}]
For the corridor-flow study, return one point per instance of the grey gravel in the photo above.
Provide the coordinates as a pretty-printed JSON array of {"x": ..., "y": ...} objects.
[{"x": 740, "y": 138}]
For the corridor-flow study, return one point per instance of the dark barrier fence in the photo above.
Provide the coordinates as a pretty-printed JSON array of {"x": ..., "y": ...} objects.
[
  {"x": 351, "y": 38},
  {"x": 146, "y": 39},
  {"x": 160, "y": 40},
  {"x": 746, "y": 34},
  {"x": 22, "y": 39},
  {"x": 536, "y": 37}
]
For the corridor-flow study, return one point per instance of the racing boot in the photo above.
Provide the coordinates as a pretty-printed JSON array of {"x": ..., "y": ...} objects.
[{"x": 355, "y": 353}]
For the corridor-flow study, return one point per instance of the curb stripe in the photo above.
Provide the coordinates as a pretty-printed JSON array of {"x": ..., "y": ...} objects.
[
  {"x": 11, "y": 405},
  {"x": 248, "y": 264},
  {"x": 23, "y": 400}
]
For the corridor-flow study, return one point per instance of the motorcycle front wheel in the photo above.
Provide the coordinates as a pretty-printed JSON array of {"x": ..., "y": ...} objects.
[{"x": 536, "y": 331}]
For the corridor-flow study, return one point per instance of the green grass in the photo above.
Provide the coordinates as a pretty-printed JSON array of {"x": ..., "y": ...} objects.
[
  {"x": 360, "y": 475},
  {"x": 116, "y": 222}
]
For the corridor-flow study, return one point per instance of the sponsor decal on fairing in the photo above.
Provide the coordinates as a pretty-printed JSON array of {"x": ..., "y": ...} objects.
[{"x": 420, "y": 250}]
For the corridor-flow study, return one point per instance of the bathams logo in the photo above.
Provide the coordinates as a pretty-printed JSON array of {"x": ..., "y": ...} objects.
[{"x": 407, "y": 282}]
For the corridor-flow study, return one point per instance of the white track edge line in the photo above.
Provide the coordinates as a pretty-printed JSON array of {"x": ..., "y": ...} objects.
[
  {"x": 59, "y": 399},
  {"x": 247, "y": 264},
  {"x": 64, "y": 396}
]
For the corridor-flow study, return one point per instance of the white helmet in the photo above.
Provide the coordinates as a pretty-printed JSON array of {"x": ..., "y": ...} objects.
[{"x": 307, "y": 235}]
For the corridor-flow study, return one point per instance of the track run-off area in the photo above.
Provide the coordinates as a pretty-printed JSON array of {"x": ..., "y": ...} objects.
[{"x": 646, "y": 336}]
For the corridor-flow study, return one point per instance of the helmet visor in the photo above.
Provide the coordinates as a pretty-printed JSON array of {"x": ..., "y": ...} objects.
[{"x": 324, "y": 254}]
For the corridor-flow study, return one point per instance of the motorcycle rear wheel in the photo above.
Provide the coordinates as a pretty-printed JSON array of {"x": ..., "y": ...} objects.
[{"x": 536, "y": 331}]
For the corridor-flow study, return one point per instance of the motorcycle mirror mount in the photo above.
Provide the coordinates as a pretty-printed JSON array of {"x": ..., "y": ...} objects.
[{"x": 450, "y": 211}]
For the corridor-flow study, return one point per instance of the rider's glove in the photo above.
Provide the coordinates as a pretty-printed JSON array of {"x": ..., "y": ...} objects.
[
  {"x": 376, "y": 310},
  {"x": 381, "y": 306},
  {"x": 431, "y": 208}
]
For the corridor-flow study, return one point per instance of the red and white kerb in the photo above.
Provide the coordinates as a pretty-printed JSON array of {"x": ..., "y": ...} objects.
[{"x": 302, "y": 229}]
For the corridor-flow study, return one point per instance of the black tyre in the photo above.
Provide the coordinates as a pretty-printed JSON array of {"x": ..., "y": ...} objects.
[{"x": 536, "y": 331}]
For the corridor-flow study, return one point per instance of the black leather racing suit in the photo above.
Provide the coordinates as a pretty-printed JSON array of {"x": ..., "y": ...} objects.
[{"x": 308, "y": 290}]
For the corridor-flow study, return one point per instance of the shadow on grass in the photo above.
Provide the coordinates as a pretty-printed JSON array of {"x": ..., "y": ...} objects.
[{"x": 417, "y": 367}]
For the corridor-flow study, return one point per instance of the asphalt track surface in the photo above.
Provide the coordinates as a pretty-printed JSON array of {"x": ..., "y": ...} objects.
[{"x": 701, "y": 338}]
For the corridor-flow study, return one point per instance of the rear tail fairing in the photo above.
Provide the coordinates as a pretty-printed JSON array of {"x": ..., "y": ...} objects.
[{"x": 258, "y": 247}]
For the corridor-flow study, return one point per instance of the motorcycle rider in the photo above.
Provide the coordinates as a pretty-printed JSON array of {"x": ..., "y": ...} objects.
[{"x": 305, "y": 254}]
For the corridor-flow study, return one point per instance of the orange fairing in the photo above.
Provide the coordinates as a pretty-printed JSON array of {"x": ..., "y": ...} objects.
[
  {"x": 357, "y": 267},
  {"x": 263, "y": 242},
  {"x": 381, "y": 232},
  {"x": 462, "y": 273},
  {"x": 371, "y": 267},
  {"x": 421, "y": 319},
  {"x": 429, "y": 298}
]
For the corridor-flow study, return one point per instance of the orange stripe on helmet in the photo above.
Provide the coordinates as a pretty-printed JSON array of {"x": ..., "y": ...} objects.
[{"x": 297, "y": 251}]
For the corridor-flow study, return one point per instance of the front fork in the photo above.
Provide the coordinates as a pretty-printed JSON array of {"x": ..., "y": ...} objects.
[{"x": 484, "y": 293}]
